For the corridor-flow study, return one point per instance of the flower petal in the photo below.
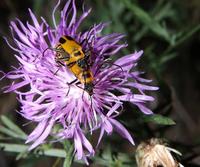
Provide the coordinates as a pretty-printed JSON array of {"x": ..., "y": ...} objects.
[
  {"x": 118, "y": 127},
  {"x": 43, "y": 136}
]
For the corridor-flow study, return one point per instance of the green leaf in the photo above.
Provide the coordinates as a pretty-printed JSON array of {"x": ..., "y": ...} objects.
[
  {"x": 37, "y": 6},
  {"x": 147, "y": 20},
  {"x": 164, "y": 12},
  {"x": 159, "y": 119},
  {"x": 22, "y": 155},
  {"x": 20, "y": 148},
  {"x": 166, "y": 58},
  {"x": 7, "y": 122},
  {"x": 11, "y": 133},
  {"x": 182, "y": 38},
  {"x": 17, "y": 148},
  {"x": 188, "y": 34}
]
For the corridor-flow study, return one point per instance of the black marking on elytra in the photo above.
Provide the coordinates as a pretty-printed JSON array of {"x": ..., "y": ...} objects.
[
  {"x": 77, "y": 53},
  {"x": 62, "y": 40},
  {"x": 86, "y": 75},
  {"x": 69, "y": 38},
  {"x": 71, "y": 64}
]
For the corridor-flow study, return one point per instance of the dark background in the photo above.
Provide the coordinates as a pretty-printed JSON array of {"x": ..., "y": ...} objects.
[{"x": 168, "y": 32}]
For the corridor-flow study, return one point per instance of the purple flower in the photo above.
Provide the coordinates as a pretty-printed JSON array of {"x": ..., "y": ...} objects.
[{"x": 49, "y": 100}]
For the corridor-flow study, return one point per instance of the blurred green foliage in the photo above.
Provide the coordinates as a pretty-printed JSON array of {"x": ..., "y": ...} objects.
[{"x": 168, "y": 32}]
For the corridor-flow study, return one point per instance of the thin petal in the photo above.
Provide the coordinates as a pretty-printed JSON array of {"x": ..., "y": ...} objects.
[
  {"x": 37, "y": 131},
  {"x": 78, "y": 145},
  {"x": 129, "y": 58},
  {"x": 144, "y": 109},
  {"x": 43, "y": 135},
  {"x": 100, "y": 136},
  {"x": 118, "y": 127},
  {"x": 87, "y": 144},
  {"x": 107, "y": 126}
]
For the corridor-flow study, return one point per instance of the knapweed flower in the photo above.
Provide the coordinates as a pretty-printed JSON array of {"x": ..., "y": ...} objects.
[
  {"x": 155, "y": 153},
  {"x": 50, "y": 100}
]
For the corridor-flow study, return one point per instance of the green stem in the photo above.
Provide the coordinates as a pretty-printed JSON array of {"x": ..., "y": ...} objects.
[
  {"x": 69, "y": 157},
  {"x": 56, "y": 162},
  {"x": 180, "y": 41}
]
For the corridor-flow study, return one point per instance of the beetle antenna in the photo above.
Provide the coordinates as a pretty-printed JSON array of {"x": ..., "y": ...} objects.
[{"x": 49, "y": 48}]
